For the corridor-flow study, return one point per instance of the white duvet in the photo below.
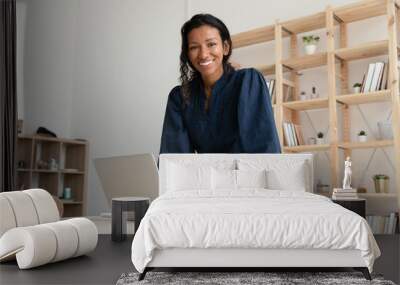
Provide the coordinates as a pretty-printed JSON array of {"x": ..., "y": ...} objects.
[{"x": 250, "y": 218}]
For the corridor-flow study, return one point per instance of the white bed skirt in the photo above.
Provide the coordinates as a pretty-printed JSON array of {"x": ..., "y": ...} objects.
[{"x": 189, "y": 257}]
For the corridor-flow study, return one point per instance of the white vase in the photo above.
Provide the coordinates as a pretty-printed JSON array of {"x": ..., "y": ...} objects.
[
  {"x": 310, "y": 49},
  {"x": 357, "y": 89},
  {"x": 303, "y": 97},
  {"x": 320, "y": 141},
  {"x": 362, "y": 138}
]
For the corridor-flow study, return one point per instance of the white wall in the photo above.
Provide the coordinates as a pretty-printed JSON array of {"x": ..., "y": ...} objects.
[{"x": 102, "y": 70}]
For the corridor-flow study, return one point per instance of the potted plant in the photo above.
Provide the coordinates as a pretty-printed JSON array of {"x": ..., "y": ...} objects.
[
  {"x": 381, "y": 182},
  {"x": 303, "y": 96},
  {"x": 362, "y": 136},
  {"x": 310, "y": 44},
  {"x": 320, "y": 138},
  {"x": 357, "y": 87}
]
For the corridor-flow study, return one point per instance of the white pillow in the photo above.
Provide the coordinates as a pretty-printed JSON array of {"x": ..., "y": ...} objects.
[
  {"x": 293, "y": 180},
  {"x": 223, "y": 179},
  {"x": 251, "y": 178},
  {"x": 236, "y": 179},
  {"x": 284, "y": 174},
  {"x": 189, "y": 177}
]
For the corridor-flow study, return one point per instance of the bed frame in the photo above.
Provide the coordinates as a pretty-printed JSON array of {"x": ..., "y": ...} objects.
[{"x": 245, "y": 259}]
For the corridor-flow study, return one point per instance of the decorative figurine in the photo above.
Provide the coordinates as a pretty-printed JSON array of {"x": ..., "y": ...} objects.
[{"x": 347, "y": 174}]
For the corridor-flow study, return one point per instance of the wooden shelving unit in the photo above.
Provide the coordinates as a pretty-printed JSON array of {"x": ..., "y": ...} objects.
[
  {"x": 333, "y": 19},
  {"x": 71, "y": 171}
]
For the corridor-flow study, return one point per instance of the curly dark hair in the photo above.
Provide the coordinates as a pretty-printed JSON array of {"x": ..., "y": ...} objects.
[{"x": 188, "y": 72}]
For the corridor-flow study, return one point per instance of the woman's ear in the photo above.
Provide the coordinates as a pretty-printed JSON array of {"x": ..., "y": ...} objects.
[{"x": 226, "y": 47}]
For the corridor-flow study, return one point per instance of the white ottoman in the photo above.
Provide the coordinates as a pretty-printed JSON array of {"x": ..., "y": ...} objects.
[{"x": 31, "y": 232}]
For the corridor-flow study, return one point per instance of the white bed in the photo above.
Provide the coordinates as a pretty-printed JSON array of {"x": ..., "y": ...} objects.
[{"x": 202, "y": 220}]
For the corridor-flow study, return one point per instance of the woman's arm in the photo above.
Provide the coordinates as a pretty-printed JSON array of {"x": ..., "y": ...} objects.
[
  {"x": 175, "y": 138},
  {"x": 257, "y": 128}
]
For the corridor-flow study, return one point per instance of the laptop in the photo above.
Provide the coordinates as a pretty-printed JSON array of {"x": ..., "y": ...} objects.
[{"x": 127, "y": 176}]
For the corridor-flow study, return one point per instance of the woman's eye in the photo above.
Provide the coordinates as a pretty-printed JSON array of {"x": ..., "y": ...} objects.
[
  {"x": 192, "y": 47},
  {"x": 212, "y": 44}
]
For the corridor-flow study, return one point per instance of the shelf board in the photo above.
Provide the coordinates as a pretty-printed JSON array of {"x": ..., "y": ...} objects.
[
  {"x": 360, "y": 10},
  {"x": 266, "y": 69},
  {"x": 24, "y": 169},
  {"x": 71, "y": 202},
  {"x": 51, "y": 139},
  {"x": 44, "y": 171},
  {"x": 304, "y": 148},
  {"x": 319, "y": 103},
  {"x": 71, "y": 172},
  {"x": 305, "y": 62},
  {"x": 364, "y": 98},
  {"x": 305, "y": 24},
  {"x": 374, "y": 195},
  {"x": 255, "y": 36},
  {"x": 363, "y": 51},
  {"x": 368, "y": 144}
]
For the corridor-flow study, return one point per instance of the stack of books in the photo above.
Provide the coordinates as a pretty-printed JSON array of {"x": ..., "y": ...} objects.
[
  {"x": 344, "y": 194},
  {"x": 375, "y": 78},
  {"x": 292, "y": 134}
]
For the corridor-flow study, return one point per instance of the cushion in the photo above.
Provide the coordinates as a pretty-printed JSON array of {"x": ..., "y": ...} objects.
[
  {"x": 46, "y": 207},
  {"x": 182, "y": 178},
  {"x": 23, "y": 208},
  {"x": 285, "y": 174},
  {"x": 236, "y": 179},
  {"x": 252, "y": 178},
  {"x": 223, "y": 179}
]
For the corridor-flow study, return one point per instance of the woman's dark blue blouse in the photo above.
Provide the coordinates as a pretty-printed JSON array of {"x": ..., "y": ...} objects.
[{"x": 239, "y": 118}]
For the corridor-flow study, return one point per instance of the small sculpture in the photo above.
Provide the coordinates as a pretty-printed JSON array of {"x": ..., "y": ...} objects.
[{"x": 347, "y": 174}]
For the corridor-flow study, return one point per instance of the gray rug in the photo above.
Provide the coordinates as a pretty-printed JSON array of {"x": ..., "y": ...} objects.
[{"x": 269, "y": 278}]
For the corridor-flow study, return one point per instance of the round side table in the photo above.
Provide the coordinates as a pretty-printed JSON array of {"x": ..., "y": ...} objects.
[{"x": 120, "y": 208}]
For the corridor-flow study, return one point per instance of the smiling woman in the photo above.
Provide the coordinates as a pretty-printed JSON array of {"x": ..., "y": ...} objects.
[{"x": 216, "y": 109}]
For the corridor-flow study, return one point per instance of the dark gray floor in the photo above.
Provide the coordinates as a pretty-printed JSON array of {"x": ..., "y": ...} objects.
[
  {"x": 103, "y": 266},
  {"x": 389, "y": 262},
  {"x": 110, "y": 260}
]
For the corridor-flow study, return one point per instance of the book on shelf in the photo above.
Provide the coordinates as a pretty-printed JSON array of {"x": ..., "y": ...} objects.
[
  {"x": 338, "y": 196},
  {"x": 377, "y": 77},
  {"x": 383, "y": 224},
  {"x": 368, "y": 78},
  {"x": 341, "y": 190},
  {"x": 299, "y": 134},
  {"x": 271, "y": 88}
]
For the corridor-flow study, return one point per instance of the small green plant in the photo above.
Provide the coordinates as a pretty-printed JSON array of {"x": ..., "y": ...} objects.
[
  {"x": 380, "y": 176},
  {"x": 320, "y": 135},
  {"x": 362, "y": 133},
  {"x": 357, "y": 85},
  {"x": 310, "y": 40}
]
